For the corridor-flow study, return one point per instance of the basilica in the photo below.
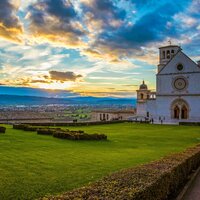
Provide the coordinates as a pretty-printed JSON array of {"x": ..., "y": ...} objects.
[{"x": 177, "y": 95}]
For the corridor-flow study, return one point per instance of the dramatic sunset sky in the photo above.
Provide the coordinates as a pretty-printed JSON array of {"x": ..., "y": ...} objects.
[{"x": 91, "y": 47}]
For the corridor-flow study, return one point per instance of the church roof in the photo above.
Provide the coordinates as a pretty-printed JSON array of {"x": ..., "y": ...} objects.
[
  {"x": 180, "y": 50},
  {"x": 169, "y": 46}
]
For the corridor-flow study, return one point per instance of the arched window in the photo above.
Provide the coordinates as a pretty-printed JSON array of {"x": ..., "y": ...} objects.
[
  {"x": 168, "y": 54},
  {"x": 148, "y": 96},
  {"x": 142, "y": 96},
  {"x": 172, "y": 51},
  {"x": 163, "y": 54},
  {"x": 176, "y": 112},
  {"x": 184, "y": 112}
]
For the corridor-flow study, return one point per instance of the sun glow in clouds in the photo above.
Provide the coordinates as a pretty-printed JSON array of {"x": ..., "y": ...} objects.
[
  {"x": 54, "y": 85},
  {"x": 91, "y": 46}
]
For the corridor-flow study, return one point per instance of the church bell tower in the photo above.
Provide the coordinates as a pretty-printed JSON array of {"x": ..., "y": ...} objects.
[
  {"x": 143, "y": 94},
  {"x": 166, "y": 53}
]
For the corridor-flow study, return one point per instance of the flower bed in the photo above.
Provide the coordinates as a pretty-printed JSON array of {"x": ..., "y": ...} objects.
[{"x": 154, "y": 181}]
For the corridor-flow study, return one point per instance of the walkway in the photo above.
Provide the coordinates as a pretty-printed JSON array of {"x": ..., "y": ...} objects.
[{"x": 193, "y": 192}]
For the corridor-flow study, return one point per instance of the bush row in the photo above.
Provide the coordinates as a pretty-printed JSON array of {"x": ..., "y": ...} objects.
[
  {"x": 24, "y": 127},
  {"x": 47, "y": 131},
  {"x": 2, "y": 129},
  {"x": 159, "y": 180},
  {"x": 78, "y": 136},
  {"x": 40, "y": 130},
  {"x": 77, "y": 123},
  {"x": 71, "y": 135},
  {"x": 59, "y": 133},
  {"x": 190, "y": 123}
]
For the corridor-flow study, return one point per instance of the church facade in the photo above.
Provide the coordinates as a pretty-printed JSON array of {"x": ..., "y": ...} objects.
[{"x": 177, "y": 96}]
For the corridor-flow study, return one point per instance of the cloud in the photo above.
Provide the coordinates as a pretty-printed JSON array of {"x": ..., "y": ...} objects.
[
  {"x": 92, "y": 37},
  {"x": 102, "y": 14},
  {"x": 56, "y": 22},
  {"x": 40, "y": 81},
  {"x": 195, "y": 8},
  {"x": 10, "y": 26},
  {"x": 112, "y": 31},
  {"x": 149, "y": 28},
  {"x": 105, "y": 53},
  {"x": 63, "y": 76},
  {"x": 133, "y": 37}
]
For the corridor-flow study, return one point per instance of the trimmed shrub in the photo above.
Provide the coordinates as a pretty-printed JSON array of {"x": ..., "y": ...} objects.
[
  {"x": 77, "y": 124},
  {"x": 47, "y": 131},
  {"x": 62, "y": 135},
  {"x": 25, "y": 127},
  {"x": 2, "y": 129},
  {"x": 19, "y": 126},
  {"x": 190, "y": 123},
  {"x": 154, "y": 181},
  {"x": 59, "y": 133},
  {"x": 30, "y": 128},
  {"x": 77, "y": 135}
]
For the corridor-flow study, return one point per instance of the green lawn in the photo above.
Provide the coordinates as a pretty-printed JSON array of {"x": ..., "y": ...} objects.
[{"x": 33, "y": 165}]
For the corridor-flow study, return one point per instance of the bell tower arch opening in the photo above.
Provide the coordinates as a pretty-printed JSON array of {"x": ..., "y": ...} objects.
[
  {"x": 168, "y": 54},
  {"x": 163, "y": 54}
]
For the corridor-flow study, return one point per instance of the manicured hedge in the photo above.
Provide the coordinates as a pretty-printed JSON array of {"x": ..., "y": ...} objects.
[
  {"x": 190, "y": 123},
  {"x": 30, "y": 128},
  {"x": 19, "y": 126},
  {"x": 60, "y": 133},
  {"x": 71, "y": 135},
  {"x": 77, "y": 123},
  {"x": 47, "y": 131},
  {"x": 159, "y": 180},
  {"x": 25, "y": 127},
  {"x": 2, "y": 129},
  {"x": 78, "y": 135}
]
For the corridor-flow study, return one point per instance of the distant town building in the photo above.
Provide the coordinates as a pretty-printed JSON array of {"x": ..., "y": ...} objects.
[
  {"x": 111, "y": 115},
  {"x": 177, "y": 96}
]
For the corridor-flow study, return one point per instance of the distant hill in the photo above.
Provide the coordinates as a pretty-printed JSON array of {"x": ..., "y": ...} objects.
[{"x": 15, "y": 100}]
